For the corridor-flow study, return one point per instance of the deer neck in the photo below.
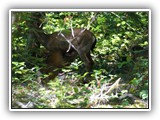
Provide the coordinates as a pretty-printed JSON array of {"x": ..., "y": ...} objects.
[{"x": 41, "y": 37}]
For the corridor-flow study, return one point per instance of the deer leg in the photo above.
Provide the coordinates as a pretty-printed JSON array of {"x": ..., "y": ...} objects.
[
  {"x": 55, "y": 59},
  {"x": 90, "y": 58},
  {"x": 86, "y": 60}
]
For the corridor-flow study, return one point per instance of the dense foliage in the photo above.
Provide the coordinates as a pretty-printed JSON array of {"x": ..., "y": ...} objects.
[{"x": 120, "y": 77}]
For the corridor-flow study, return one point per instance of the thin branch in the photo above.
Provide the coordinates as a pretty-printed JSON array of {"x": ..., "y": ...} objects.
[
  {"x": 69, "y": 41},
  {"x": 114, "y": 86},
  {"x": 72, "y": 36},
  {"x": 93, "y": 18},
  {"x": 72, "y": 30},
  {"x": 126, "y": 22}
]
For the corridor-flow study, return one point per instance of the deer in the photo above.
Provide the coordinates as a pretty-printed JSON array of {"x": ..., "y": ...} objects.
[{"x": 65, "y": 45}]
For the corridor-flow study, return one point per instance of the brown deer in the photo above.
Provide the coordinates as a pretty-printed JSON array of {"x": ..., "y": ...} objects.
[{"x": 64, "y": 46}]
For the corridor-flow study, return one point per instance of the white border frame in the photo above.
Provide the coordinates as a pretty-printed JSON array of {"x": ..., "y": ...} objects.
[{"x": 83, "y": 10}]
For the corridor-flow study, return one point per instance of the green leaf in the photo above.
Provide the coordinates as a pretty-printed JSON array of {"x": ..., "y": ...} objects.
[
  {"x": 123, "y": 22},
  {"x": 135, "y": 81},
  {"x": 76, "y": 89},
  {"x": 144, "y": 94},
  {"x": 118, "y": 24},
  {"x": 18, "y": 72}
]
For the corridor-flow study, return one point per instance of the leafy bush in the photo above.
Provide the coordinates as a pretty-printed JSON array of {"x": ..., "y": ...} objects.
[{"x": 120, "y": 75}]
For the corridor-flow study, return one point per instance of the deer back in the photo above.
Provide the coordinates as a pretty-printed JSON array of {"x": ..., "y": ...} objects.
[{"x": 82, "y": 40}]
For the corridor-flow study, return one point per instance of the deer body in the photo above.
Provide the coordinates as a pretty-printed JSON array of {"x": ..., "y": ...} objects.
[{"x": 57, "y": 43}]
